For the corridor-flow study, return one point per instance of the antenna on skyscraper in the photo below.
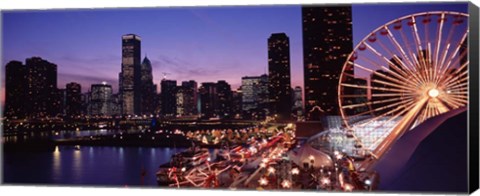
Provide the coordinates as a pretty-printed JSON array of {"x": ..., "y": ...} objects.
[{"x": 165, "y": 75}]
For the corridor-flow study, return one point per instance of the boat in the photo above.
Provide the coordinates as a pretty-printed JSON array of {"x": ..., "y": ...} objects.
[{"x": 181, "y": 163}]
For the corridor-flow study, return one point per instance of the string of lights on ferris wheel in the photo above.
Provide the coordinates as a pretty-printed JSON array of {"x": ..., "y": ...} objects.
[{"x": 412, "y": 60}]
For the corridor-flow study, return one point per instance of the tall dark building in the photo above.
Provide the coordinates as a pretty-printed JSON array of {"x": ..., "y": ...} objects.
[
  {"x": 15, "y": 90},
  {"x": 237, "y": 104},
  {"x": 279, "y": 75},
  {"x": 130, "y": 77},
  {"x": 42, "y": 92},
  {"x": 208, "y": 100},
  {"x": 73, "y": 102},
  {"x": 225, "y": 96},
  {"x": 168, "y": 97},
  {"x": 191, "y": 97},
  {"x": 101, "y": 99},
  {"x": 148, "y": 90},
  {"x": 327, "y": 42}
]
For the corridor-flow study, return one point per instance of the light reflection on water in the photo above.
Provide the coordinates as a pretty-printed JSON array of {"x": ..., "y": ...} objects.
[{"x": 104, "y": 166}]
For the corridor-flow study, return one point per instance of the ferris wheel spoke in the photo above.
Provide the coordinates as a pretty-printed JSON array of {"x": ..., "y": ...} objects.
[
  {"x": 392, "y": 84},
  {"x": 402, "y": 72},
  {"x": 456, "y": 75},
  {"x": 394, "y": 41},
  {"x": 368, "y": 46},
  {"x": 423, "y": 68},
  {"x": 457, "y": 84},
  {"x": 439, "y": 38},
  {"x": 399, "y": 81},
  {"x": 454, "y": 103},
  {"x": 448, "y": 42},
  {"x": 373, "y": 88},
  {"x": 409, "y": 106},
  {"x": 445, "y": 68},
  {"x": 461, "y": 72},
  {"x": 459, "y": 101},
  {"x": 369, "y": 103},
  {"x": 410, "y": 53}
]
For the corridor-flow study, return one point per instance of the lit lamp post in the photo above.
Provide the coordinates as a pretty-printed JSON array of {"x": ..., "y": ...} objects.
[
  {"x": 312, "y": 160},
  {"x": 263, "y": 181},
  {"x": 286, "y": 184},
  {"x": 368, "y": 183}
]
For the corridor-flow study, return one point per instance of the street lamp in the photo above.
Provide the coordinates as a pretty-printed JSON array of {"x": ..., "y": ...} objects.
[
  {"x": 271, "y": 170},
  {"x": 295, "y": 171},
  {"x": 263, "y": 181},
  {"x": 286, "y": 184}
]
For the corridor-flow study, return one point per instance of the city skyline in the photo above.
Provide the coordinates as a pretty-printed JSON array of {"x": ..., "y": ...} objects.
[{"x": 183, "y": 61}]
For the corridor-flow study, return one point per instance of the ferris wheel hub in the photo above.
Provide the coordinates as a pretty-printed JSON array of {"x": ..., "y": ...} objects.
[{"x": 433, "y": 93}]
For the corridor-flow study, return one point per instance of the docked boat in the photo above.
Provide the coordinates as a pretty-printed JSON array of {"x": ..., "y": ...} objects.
[{"x": 181, "y": 163}]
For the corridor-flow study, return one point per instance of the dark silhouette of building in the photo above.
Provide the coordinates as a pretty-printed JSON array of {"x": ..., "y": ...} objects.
[
  {"x": 42, "y": 92},
  {"x": 168, "y": 97},
  {"x": 208, "y": 100},
  {"x": 237, "y": 104},
  {"x": 101, "y": 99},
  {"x": 148, "y": 90},
  {"x": 279, "y": 75},
  {"x": 130, "y": 76},
  {"x": 191, "y": 98},
  {"x": 15, "y": 90},
  {"x": 327, "y": 42},
  {"x": 86, "y": 97},
  {"x": 225, "y": 96},
  {"x": 73, "y": 101}
]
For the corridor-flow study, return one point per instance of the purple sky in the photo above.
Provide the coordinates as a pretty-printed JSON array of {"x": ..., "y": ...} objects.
[{"x": 199, "y": 43}]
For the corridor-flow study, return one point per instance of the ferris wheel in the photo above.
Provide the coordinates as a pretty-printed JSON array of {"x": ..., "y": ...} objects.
[{"x": 405, "y": 72}]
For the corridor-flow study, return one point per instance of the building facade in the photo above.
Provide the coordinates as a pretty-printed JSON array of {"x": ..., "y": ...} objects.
[
  {"x": 73, "y": 101},
  {"x": 327, "y": 42},
  {"x": 279, "y": 87},
  {"x": 208, "y": 100},
  {"x": 101, "y": 99},
  {"x": 168, "y": 97},
  {"x": 15, "y": 90},
  {"x": 148, "y": 90},
  {"x": 42, "y": 93},
  {"x": 255, "y": 96},
  {"x": 225, "y": 96},
  {"x": 130, "y": 76}
]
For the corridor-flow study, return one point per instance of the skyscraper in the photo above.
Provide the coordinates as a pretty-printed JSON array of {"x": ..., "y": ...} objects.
[
  {"x": 208, "y": 100},
  {"x": 237, "y": 104},
  {"x": 101, "y": 98},
  {"x": 148, "y": 91},
  {"x": 15, "y": 90},
  {"x": 130, "y": 77},
  {"x": 279, "y": 75},
  {"x": 42, "y": 95},
  {"x": 224, "y": 94},
  {"x": 191, "y": 96},
  {"x": 255, "y": 96},
  {"x": 327, "y": 42},
  {"x": 73, "y": 100},
  {"x": 168, "y": 97}
]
